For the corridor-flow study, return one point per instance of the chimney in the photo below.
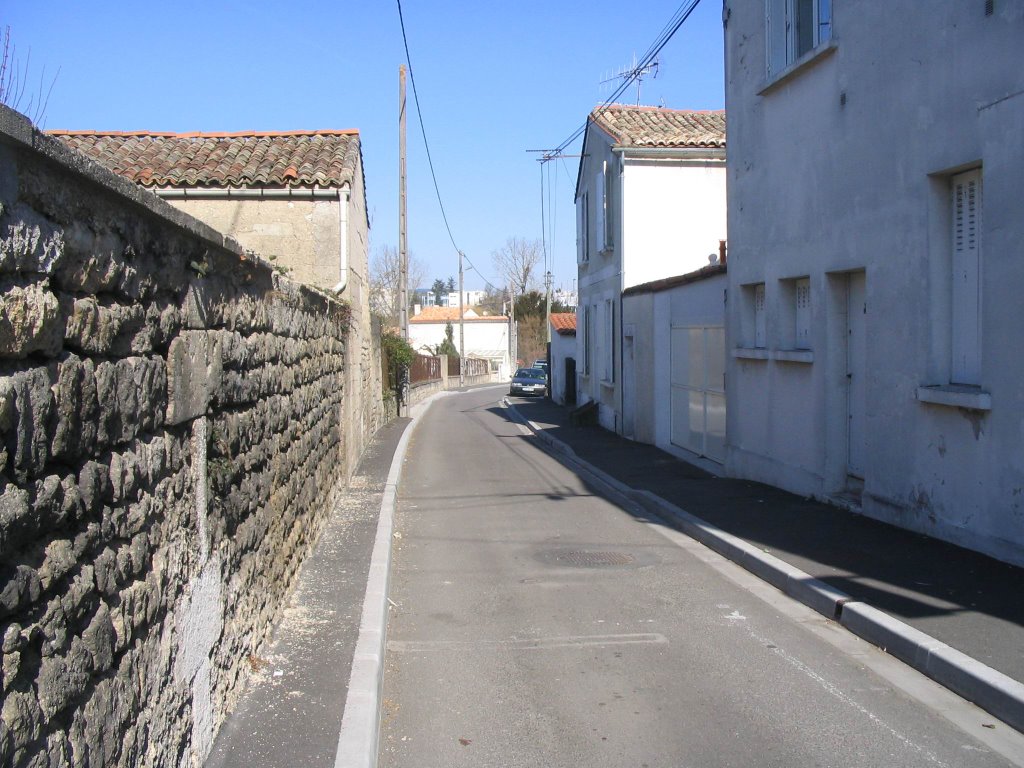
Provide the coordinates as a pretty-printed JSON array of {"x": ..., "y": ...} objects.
[
  {"x": 721, "y": 252},
  {"x": 416, "y": 308}
]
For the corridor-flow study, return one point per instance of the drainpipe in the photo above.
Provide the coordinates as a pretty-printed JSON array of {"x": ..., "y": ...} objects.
[{"x": 343, "y": 198}]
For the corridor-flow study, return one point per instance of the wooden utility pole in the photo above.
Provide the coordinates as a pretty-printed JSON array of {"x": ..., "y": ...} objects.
[{"x": 403, "y": 254}]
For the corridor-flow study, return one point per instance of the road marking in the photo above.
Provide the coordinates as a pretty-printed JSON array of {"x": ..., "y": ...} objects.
[
  {"x": 528, "y": 644},
  {"x": 835, "y": 691}
]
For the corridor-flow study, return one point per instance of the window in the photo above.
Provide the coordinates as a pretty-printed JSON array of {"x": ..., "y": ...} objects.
[
  {"x": 609, "y": 331},
  {"x": 760, "y": 319},
  {"x": 604, "y": 225},
  {"x": 795, "y": 313},
  {"x": 587, "y": 336},
  {"x": 795, "y": 27},
  {"x": 582, "y": 225},
  {"x": 966, "y": 305}
]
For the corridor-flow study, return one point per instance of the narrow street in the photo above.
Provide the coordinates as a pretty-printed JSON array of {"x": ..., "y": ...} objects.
[{"x": 535, "y": 623}]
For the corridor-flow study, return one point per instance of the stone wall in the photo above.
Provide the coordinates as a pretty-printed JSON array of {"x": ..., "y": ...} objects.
[{"x": 172, "y": 440}]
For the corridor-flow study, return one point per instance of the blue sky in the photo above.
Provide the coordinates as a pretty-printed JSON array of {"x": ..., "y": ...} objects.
[{"x": 494, "y": 80}]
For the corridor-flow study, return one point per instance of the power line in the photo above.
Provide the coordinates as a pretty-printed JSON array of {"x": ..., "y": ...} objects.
[
  {"x": 678, "y": 18},
  {"x": 423, "y": 130}
]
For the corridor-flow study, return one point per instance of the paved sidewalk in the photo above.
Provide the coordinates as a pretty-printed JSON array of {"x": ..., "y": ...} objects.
[
  {"x": 291, "y": 713},
  {"x": 961, "y": 599}
]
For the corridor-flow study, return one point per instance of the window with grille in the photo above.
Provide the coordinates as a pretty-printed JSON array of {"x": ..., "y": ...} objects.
[
  {"x": 966, "y": 304},
  {"x": 760, "y": 318}
]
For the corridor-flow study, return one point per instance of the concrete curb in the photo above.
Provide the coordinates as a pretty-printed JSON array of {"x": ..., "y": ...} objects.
[
  {"x": 358, "y": 742},
  {"x": 996, "y": 693}
]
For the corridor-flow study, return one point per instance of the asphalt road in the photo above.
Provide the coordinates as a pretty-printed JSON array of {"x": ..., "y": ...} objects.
[{"x": 535, "y": 623}]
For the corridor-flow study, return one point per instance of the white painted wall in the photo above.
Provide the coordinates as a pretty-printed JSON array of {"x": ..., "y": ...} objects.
[
  {"x": 482, "y": 336},
  {"x": 844, "y": 163},
  {"x": 674, "y": 214},
  {"x": 667, "y": 211},
  {"x": 649, "y": 318},
  {"x": 562, "y": 347}
]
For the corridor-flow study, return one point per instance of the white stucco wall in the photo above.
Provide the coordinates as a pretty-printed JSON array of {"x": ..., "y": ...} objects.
[
  {"x": 674, "y": 214},
  {"x": 562, "y": 347},
  {"x": 844, "y": 165},
  {"x": 648, "y": 319},
  {"x": 482, "y": 336}
]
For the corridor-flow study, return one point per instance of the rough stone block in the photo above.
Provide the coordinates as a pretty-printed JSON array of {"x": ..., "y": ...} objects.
[
  {"x": 193, "y": 375},
  {"x": 30, "y": 321},
  {"x": 30, "y": 243},
  {"x": 99, "y": 638},
  {"x": 17, "y": 523},
  {"x": 63, "y": 678},
  {"x": 131, "y": 395},
  {"x": 22, "y": 588},
  {"x": 75, "y": 409},
  {"x": 27, "y": 440}
]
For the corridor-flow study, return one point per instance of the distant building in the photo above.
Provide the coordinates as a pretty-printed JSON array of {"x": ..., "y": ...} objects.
[{"x": 486, "y": 337}]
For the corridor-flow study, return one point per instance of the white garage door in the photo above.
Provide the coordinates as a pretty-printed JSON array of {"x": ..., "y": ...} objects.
[{"x": 698, "y": 390}]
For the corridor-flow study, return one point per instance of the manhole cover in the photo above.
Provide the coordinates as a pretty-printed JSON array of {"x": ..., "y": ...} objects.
[{"x": 585, "y": 559}]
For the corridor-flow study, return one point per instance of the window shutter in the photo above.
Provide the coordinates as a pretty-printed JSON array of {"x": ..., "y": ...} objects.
[
  {"x": 599, "y": 208},
  {"x": 760, "y": 326},
  {"x": 803, "y": 313},
  {"x": 775, "y": 35},
  {"x": 966, "y": 320},
  {"x": 580, "y": 240}
]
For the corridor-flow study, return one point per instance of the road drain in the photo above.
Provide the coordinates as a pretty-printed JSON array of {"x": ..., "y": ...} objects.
[{"x": 586, "y": 558}]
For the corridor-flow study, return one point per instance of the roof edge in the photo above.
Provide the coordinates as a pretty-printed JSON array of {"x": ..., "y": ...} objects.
[{"x": 203, "y": 134}]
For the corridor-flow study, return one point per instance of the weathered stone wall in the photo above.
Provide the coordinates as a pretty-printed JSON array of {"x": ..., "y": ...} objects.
[{"x": 172, "y": 437}]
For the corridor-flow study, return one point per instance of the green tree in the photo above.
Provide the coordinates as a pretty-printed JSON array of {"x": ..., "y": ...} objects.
[
  {"x": 439, "y": 289},
  {"x": 447, "y": 347}
]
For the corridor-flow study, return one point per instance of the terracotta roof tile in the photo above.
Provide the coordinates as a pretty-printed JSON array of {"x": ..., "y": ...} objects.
[
  {"x": 564, "y": 323},
  {"x": 451, "y": 315},
  {"x": 277, "y": 158},
  {"x": 660, "y": 127}
]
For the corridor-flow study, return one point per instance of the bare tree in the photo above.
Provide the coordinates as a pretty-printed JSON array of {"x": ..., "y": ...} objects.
[
  {"x": 14, "y": 81},
  {"x": 384, "y": 282},
  {"x": 515, "y": 262}
]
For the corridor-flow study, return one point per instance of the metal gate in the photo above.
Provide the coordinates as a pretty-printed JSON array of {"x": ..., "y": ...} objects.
[{"x": 698, "y": 389}]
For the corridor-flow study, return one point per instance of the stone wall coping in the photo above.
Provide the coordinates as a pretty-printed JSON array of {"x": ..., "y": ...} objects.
[{"x": 18, "y": 131}]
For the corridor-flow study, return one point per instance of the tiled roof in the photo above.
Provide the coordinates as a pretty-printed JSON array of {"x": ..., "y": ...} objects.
[
  {"x": 660, "y": 127},
  {"x": 451, "y": 315},
  {"x": 564, "y": 323},
  {"x": 272, "y": 159}
]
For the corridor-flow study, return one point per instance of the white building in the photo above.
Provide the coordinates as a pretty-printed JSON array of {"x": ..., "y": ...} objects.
[
  {"x": 673, "y": 364},
  {"x": 563, "y": 358},
  {"x": 485, "y": 336},
  {"x": 650, "y": 203},
  {"x": 877, "y": 259}
]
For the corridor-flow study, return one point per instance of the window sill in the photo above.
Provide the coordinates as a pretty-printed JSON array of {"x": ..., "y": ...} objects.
[
  {"x": 806, "y": 61},
  {"x": 750, "y": 353},
  {"x": 607, "y": 384},
  {"x": 793, "y": 355},
  {"x": 956, "y": 396}
]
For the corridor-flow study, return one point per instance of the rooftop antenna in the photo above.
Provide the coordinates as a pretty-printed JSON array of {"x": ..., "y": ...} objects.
[{"x": 636, "y": 73}]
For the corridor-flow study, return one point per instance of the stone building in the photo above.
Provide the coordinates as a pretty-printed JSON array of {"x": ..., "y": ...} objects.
[{"x": 293, "y": 197}]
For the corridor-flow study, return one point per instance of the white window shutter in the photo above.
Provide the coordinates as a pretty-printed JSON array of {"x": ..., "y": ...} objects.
[
  {"x": 580, "y": 239},
  {"x": 966, "y": 319},
  {"x": 760, "y": 324},
  {"x": 776, "y": 35},
  {"x": 599, "y": 205},
  {"x": 803, "y": 313}
]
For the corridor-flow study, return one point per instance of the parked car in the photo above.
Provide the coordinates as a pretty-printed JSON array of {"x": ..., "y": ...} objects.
[
  {"x": 529, "y": 381},
  {"x": 542, "y": 363}
]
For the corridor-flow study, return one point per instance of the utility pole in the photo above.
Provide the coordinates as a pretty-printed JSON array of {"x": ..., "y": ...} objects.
[
  {"x": 403, "y": 255},
  {"x": 462, "y": 335},
  {"x": 547, "y": 302}
]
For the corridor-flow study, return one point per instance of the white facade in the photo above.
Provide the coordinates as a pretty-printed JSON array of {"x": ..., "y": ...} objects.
[
  {"x": 673, "y": 365},
  {"x": 563, "y": 348},
  {"x": 485, "y": 337},
  {"x": 877, "y": 258},
  {"x": 643, "y": 213}
]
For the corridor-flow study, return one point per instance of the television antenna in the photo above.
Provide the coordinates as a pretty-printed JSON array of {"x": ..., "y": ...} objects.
[{"x": 637, "y": 73}]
